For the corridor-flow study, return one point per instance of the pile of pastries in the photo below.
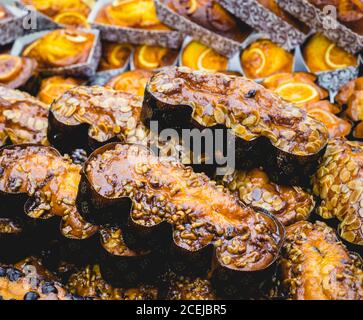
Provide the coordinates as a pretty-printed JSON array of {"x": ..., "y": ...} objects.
[{"x": 96, "y": 205}]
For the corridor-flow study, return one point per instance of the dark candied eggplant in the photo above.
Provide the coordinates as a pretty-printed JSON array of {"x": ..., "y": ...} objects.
[
  {"x": 28, "y": 280},
  {"x": 165, "y": 195},
  {"x": 254, "y": 188},
  {"x": 338, "y": 183},
  {"x": 277, "y": 134},
  {"x": 317, "y": 266},
  {"x": 88, "y": 117},
  {"x": 88, "y": 282},
  {"x": 23, "y": 118},
  {"x": 40, "y": 181}
]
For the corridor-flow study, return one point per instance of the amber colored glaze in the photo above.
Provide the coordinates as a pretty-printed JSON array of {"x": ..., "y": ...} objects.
[
  {"x": 338, "y": 184},
  {"x": 199, "y": 57},
  {"x": 212, "y": 16},
  {"x": 139, "y": 14},
  {"x": 263, "y": 58},
  {"x": 301, "y": 89},
  {"x": 316, "y": 266},
  {"x": 23, "y": 118},
  {"x": 114, "y": 55},
  {"x": 133, "y": 82},
  {"x": 109, "y": 113},
  {"x": 61, "y": 48},
  {"x": 154, "y": 57},
  {"x": 56, "y": 178},
  {"x": 254, "y": 188},
  {"x": 16, "y": 71},
  {"x": 52, "y": 88},
  {"x": 242, "y": 105},
  {"x": 200, "y": 212},
  {"x": 320, "y": 54}
]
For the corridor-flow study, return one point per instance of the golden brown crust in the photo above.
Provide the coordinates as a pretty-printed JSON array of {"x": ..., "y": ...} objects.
[
  {"x": 50, "y": 180},
  {"x": 183, "y": 288},
  {"x": 16, "y": 71},
  {"x": 200, "y": 212},
  {"x": 108, "y": 112},
  {"x": 351, "y": 96},
  {"x": 240, "y": 104},
  {"x": 133, "y": 82},
  {"x": 139, "y": 14},
  {"x": 61, "y": 48},
  {"x": 316, "y": 266},
  {"x": 88, "y": 282},
  {"x": 28, "y": 280},
  {"x": 23, "y": 118},
  {"x": 210, "y": 15},
  {"x": 338, "y": 183},
  {"x": 254, "y": 188}
]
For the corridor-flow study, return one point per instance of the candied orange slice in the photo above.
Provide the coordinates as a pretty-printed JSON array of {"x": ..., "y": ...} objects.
[
  {"x": 324, "y": 116},
  {"x": 54, "y": 90},
  {"x": 297, "y": 92},
  {"x": 72, "y": 19},
  {"x": 133, "y": 82},
  {"x": 257, "y": 59},
  {"x": 131, "y": 13},
  {"x": 149, "y": 57},
  {"x": 10, "y": 66},
  {"x": 333, "y": 55},
  {"x": 30, "y": 47},
  {"x": 117, "y": 55},
  {"x": 211, "y": 61}
]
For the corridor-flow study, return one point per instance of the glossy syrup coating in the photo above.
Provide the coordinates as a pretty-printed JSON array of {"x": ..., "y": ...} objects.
[
  {"x": 23, "y": 118},
  {"x": 301, "y": 88},
  {"x": 338, "y": 183},
  {"x": 201, "y": 213},
  {"x": 61, "y": 48},
  {"x": 210, "y": 15},
  {"x": 254, "y": 188},
  {"x": 316, "y": 266},
  {"x": 88, "y": 282},
  {"x": 133, "y": 82},
  {"x": 109, "y": 113},
  {"x": 16, "y": 71},
  {"x": 139, "y": 14},
  {"x": 51, "y": 182},
  {"x": 244, "y": 106},
  {"x": 29, "y": 280}
]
